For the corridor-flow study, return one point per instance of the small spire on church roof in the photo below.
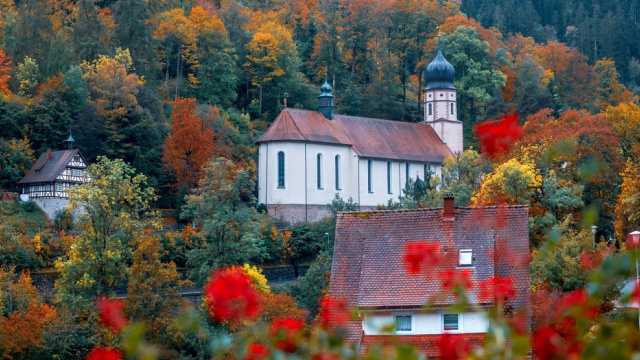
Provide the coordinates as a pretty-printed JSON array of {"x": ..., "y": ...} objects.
[{"x": 70, "y": 141}]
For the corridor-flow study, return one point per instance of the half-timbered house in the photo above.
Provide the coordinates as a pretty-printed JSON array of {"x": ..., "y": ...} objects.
[{"x": 49, "y": 180}]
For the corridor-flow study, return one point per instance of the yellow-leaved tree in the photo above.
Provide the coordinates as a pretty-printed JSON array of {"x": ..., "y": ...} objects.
[
  {"x": 511, "y": 183},
  {"x": 113, "y": 212}
]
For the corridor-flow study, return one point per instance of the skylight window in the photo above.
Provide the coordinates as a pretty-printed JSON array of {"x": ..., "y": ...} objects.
[{"x": 466, "y": 257}]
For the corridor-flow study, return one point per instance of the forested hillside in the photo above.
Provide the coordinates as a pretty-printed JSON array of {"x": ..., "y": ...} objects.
[{"x": 110, "y": 71}]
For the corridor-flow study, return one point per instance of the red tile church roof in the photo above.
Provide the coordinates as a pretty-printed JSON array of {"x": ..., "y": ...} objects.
[
  {"x": 372, "y": 138},
  {"x": 368, "y": 270}
]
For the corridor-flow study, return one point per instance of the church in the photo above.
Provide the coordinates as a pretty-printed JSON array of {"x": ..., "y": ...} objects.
[{"x": 307, "y": 157}]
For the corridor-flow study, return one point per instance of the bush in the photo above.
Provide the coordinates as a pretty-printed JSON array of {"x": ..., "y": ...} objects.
[
  {"x": 63, "y": 220},
  {"x": 29, "y": 206},
  {"x": 262, "y": 208}
]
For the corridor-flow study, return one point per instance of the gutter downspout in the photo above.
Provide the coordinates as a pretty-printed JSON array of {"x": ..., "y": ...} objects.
[
  {"x": 358, "y": 169},
  {"x": 305, "y": 183},
  {"x": 266, "y": 179}
]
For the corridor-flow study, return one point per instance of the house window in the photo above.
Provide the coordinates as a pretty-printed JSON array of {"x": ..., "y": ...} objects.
[
  {"x": 450, "y": 322},
  {"x": 76, "y": 172},
  {"x": 369, "y": 176},
  {"x": 59, "y": 187},
  {"x": 406, "y": 174},
  {"x": 430, "y": 109},
  {"x": 403, "y": 323},
  {"x": 281, "y": 169},
  {"x": 319, "y": 160},
  {"x": 466, "y": 258},
  {"x": 338, "y": 182},
  {"x": 389, "y": 177},
  {"x": 451, "y": 108}
]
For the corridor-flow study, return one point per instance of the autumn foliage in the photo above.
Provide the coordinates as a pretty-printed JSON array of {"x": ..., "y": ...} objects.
[{"x": 192, "y": 142}]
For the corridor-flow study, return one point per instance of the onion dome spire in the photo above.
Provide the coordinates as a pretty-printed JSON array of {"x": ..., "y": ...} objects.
[{"x": 440, "y": 73}]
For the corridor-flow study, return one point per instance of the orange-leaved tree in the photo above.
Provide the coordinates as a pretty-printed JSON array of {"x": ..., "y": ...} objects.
[
  {"x": 191, "y": 144},
  {"x": 5, "y": 68},
  {"x": 22, "y": 328}
]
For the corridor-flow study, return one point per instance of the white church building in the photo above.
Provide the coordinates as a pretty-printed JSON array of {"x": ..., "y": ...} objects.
[{"x": 307, "y": 157}]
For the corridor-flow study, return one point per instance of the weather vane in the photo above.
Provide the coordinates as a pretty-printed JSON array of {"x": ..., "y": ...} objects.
[{"x": 285, "y": 99}]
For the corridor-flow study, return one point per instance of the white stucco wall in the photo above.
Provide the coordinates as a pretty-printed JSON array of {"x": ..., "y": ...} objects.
[
  {"x": 425, "y": 323},
  {"x": 450, "y": 132},
  {"x": 301, "y": 159}
]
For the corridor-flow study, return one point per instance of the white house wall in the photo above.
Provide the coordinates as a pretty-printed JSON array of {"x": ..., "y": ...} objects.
[{"x": 425, "y": 323}]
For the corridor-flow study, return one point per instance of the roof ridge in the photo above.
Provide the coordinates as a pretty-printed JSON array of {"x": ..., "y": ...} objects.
[
  {"x": 294, "y": 124},
  {"x": 431, "y": 209}
]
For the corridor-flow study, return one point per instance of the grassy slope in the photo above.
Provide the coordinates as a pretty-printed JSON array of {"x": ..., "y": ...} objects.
[{"x": 14, "y": 215}]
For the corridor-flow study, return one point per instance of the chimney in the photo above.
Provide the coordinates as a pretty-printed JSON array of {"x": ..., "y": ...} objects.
[
  {"x": 49, "y": 154},
  {"x": 448, "y": 209}
]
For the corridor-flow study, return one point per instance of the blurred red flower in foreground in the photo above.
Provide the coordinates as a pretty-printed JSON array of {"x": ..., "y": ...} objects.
[
  {"x": 231, "y": 296},
  {"x": 497, "y": 136},
  {"x": 496, "y": 288},
  {"x": 256, "y": 352},
  {"x": 635, "y": 296},
  {"x": 420, "y": 256},
  {"x": 104, "y": 354},
  {"x": 285, "y": 332},
  {"x": 547, "y": 344},
  {"x": 452, "y": 347},
  {"x": 111, "y": 313},
  {"x": 334, "y": 311},
  {"x": 577, "y": 299},
  {"x": 455, "y": 279}
]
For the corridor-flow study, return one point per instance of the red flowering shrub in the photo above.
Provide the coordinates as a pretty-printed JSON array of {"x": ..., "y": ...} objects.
[
  {"x": 452, "y": 347},
  {"x": 100, "y": 353},
  {"x": 285, "y": 333},
  {"x": 256, "y": 352},
  {"x": 496, "y": 288},
  {"x": 334, "y": 311},
  {"x": 496, "y": 137},
  {"x": 455, "y": 279},
  {"x": 421, "y": 256},
  {"x": 231, "y": 296},
  {"x": 111, "y": 313}
]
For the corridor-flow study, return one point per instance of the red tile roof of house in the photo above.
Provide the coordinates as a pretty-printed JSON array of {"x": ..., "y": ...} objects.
[
  {"x": 46, "y": 170},
  {"x": 368, "y": 269},
  {"x": 372, "y": 138}
]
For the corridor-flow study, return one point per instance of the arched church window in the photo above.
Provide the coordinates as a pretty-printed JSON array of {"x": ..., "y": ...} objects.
[
  {"x": 281, "y": 169},
  {"x": 369, "y": 176},
  {"x": 430, "y": 111},
  {"x": 406, "y": 174},
  {"x": 319, "y": 157},
  {"x": 451, "y": 108},
  {"x": 389, "y": 177},
  {"x": 338, "y": 174}
]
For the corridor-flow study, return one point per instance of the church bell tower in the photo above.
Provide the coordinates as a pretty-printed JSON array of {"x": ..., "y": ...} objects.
[{"x": 440, "y": 102}]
